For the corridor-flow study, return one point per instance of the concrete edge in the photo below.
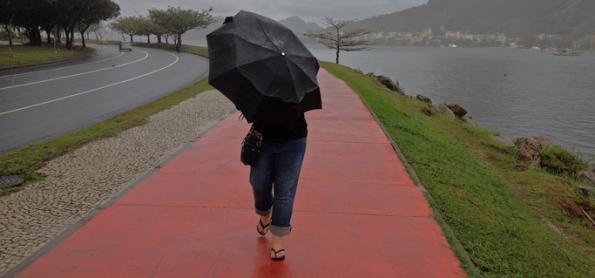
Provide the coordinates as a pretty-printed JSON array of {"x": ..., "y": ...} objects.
[
  {"x": 65, "y": 234},
  {"x": 41, "y": 66},
  {"x": 461, "y": 253}
]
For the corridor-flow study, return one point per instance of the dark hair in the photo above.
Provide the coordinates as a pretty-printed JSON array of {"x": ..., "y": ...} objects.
[{"x": 228, "y": 19}]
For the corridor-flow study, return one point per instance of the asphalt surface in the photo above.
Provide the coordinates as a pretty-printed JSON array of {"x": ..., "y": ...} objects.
[{"x": 40, "y": 104}]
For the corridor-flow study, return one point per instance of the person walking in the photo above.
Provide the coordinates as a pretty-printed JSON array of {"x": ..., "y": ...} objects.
[
  {"x": 271, "y": 77},
  {"x": 275, "y": 177}
]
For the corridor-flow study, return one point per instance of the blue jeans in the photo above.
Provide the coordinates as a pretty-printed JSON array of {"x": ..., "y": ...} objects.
[{"x": 277, "y": 171}]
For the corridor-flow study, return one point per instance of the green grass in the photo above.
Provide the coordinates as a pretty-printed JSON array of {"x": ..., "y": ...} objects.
[
  {"x": 497, "y": 211},
  {"x": 32, "y": 55},
  {"x": 560, "y": 161},
  {"x": 26, "y": 161}
]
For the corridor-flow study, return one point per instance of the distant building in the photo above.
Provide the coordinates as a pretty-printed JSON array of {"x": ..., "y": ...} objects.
[{"x": 443, "y": 37}]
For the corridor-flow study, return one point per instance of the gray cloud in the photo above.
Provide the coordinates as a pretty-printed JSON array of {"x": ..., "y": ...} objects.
[{"x": 311, "y": 10}]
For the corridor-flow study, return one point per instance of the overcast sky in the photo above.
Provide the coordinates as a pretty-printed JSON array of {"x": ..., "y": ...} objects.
[{"x": 310, "y": 10}]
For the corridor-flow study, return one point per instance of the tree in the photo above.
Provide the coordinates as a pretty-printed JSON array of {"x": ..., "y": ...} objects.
[
  {"x": 97, "y": 29},
  {"x": 95, "y": 11},
  {"x": 30, "y": 15},
  {"x": 52, "y": 16},
  {"x": 128, "y": 25},
  {"x": 157, "y": 17},
  {"x": 7, "y": 15},
  {"x": 179, "y": 21},
  {"x": 334, "y": 37},
  {"x": 146, "y": 27}
]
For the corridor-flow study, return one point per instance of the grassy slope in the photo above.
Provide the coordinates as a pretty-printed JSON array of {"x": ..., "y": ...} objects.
[
  {"x": 496, "y": 211},
  {"x": 31, "y": 55},
  {"x": 27, "y": 160}
]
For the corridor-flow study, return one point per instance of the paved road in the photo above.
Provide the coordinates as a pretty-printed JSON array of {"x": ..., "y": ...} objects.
[{"x": 44, "y": 103}]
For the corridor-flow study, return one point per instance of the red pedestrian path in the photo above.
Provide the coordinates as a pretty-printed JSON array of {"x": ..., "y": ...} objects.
[{"x": 357, "y": 212}]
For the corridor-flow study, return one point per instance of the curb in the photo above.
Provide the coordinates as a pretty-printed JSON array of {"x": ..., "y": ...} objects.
[{"x": 72, "y": 60}]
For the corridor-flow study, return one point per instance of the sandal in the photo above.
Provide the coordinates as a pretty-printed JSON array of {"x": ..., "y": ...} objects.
[
  {"x": 275, "y": 258},
  {"x": 261, "y": 228}
]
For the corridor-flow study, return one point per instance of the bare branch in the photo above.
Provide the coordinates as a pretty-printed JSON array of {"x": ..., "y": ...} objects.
[
  {"x": 353, "y": 49},
  {"x": 337, "y": 24},
  {"x": 355, "y": 33},
  {"x": 349, "y": 43},
  {"x": 339, "y": 40},
  {"x": 323, "y": 36}
]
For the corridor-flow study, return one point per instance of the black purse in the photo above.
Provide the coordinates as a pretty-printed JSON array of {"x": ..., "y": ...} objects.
[{"x": 251, "y": 147}]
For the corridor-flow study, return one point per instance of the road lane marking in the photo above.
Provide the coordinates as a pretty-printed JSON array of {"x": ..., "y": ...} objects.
[
  {"x": 60, "y": 68},
  {"x": 78, "y": 74},
  {"x": 92, "y": 90}
]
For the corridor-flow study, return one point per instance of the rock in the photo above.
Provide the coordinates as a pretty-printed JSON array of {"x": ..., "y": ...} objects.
[
  {"x": 457, "y": 109},
  {"x": 587, "y": 176},
  {"x": 387, "y": 82},
  {"x": 423, "y": 99},
  {"x": 11, "y": 181},
  {"x": 468, "y": 119},
  {"x": 585, "y": 191},
  {"x": 428, "y": 110},
  {"x": 502, "y": 140},
  {"x": 528, "y": 148},
  {"x": 443, "y": 109}
]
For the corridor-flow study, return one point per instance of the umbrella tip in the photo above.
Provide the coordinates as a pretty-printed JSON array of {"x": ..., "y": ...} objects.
[{"x": 228, "y": 19}]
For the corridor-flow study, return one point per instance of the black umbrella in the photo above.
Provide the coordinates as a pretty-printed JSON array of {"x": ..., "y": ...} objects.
[{"x": 263, "y": 68}]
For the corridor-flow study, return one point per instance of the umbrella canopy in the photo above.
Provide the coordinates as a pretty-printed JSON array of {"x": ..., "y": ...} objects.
[{"x": 263, "y": 68}]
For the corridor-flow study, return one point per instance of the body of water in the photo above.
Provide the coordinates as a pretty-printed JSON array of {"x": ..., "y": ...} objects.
[{"x": 517, "y": 92}]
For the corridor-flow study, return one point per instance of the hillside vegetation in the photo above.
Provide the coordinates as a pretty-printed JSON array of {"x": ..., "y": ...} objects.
[{"x": 512, "y": 17}]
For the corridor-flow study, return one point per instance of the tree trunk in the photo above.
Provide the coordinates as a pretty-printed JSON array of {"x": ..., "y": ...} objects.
[
  {"x": 58, "y": 35},
  {"x": 83, "y": 38},
  {"x": 179, "y": 43},
  {"x": 131, "y": 39},
  {"x": 9, "y": 37},
  {"x": 69, "y": 31},
  {"x": 338, "y": 44},
  {"x": 83, "y": 31},
  {"x": 167, "y": 39},
  {"x": 34, "y": 35},
  {"x": 159, "y": 39},
  {"x": 9, "y": 31},
  {"x": 149, "y": 39},
  {"x": 70, "y": 43},
  {"x": 49, "y": 33},
  {"x": 68, "y": 39},
  {"x": 9, "y": 34}
]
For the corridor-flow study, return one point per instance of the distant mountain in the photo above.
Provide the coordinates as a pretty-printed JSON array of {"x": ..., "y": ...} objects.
[
  {"x": 512, "y": 17},
  {"x": 299, "y": 26}
]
